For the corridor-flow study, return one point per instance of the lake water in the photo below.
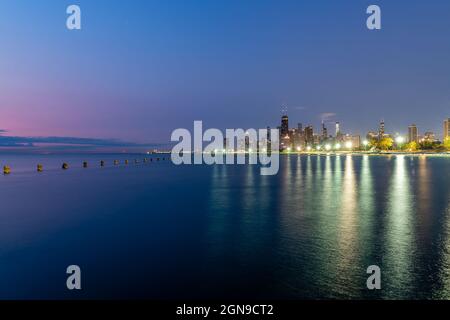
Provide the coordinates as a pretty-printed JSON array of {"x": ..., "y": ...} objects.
[{"x": 158, "y": 230}]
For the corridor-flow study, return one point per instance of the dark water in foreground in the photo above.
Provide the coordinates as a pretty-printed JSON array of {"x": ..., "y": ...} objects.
[{"x": 162, "y": 231}]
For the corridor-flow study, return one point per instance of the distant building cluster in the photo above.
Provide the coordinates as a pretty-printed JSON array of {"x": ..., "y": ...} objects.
[
  {"x": 428, "y": 136},
  {"x": 302, "y": 138},
  {"x": 305, "y": 138}
]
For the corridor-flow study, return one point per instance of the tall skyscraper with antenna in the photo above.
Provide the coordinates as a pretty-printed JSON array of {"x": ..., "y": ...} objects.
[{"x": 284, "y": 122}]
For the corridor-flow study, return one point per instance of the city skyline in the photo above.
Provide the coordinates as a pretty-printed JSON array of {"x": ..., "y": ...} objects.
[
  {"x": 339, "y": 124},
  {"x": 300, "y": 137},
  {"x": 311, "y": 135}
]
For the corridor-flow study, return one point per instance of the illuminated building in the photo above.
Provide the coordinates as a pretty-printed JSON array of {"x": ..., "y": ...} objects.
[
  {"x": 324, "y": 132},
  {"x": 309, "y": 135},
  {"x": 371, "y": 135},
  {"x": 353, "y": 140},
  {"x": 429, "y": 137},
  {"x": 381, "y": 130},
  {"x": 413, "y": 135},
  {"x": 446, "y": 128},
  {"x": 284, "y": 126},
  {"x": 338, "y": 129}
]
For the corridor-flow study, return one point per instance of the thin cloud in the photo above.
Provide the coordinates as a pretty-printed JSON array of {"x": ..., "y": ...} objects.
[
  {"x": 327, "y": 116},
  {"x": 12, "y": 141}
]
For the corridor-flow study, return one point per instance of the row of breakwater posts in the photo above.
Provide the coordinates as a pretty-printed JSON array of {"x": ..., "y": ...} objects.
[{"x": 85, "y": 164}]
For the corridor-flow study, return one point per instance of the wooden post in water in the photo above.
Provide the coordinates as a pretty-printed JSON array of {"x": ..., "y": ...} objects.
[
  {"x": 65, "y": 166},
  {"x": 40, "y": 168},
  {"x": 102, "y": 163},
  {"x": 116, "y": 162},
  {"x": 126, "y": 161},
  {"x": 6, "y": 170},
  {"x": 85, "y": 164}
]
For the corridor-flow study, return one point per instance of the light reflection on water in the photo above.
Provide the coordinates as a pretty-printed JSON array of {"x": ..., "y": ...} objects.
[
  {"x": 399, "y": 252},
  {"x": 226, "y": 231},
  {"x": 340, "y": 214},
  {"x": 348, "y": 224}
]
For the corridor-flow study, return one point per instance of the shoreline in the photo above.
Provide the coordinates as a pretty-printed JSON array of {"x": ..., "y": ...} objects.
[
  {"x": 364, "y": 153},
  {"x": 369, "y": 153}
]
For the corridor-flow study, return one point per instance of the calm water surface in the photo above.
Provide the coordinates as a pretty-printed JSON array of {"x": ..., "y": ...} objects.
[{"x": 162, "y": 231}]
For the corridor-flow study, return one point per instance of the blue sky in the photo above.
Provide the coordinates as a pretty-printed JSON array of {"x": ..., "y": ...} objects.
[{"x": 139, "y": 69}]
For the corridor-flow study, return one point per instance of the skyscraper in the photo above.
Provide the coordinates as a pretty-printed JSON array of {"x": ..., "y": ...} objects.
[
  {"x": 309, "y": 135},
  {"x": 381, "y": 130},
  {"x": 413, "y": 135},
  {"x": 324, "y": 131},
  {"x": 247, "y": 142},
  {"x": 269, "y": 140},
  {"x": 284, "y": 126},
  {"x": 446, "y": 128},
  {"x": 338, "y": 129}
]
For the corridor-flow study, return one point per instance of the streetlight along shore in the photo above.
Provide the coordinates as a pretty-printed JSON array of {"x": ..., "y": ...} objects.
[{"x": 373, "y": 153}]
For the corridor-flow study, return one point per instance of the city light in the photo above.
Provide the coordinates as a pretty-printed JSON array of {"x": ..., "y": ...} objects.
[
  {"x": 400, "y": 140},
  {"x": 375, "y": 140}
]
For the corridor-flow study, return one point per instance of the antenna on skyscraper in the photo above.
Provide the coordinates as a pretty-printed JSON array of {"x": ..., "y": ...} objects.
[{"x": 284, "y": 110}]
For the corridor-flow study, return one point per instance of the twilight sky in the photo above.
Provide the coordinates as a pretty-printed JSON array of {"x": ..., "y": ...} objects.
[{"x": 139, "y": 69}]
